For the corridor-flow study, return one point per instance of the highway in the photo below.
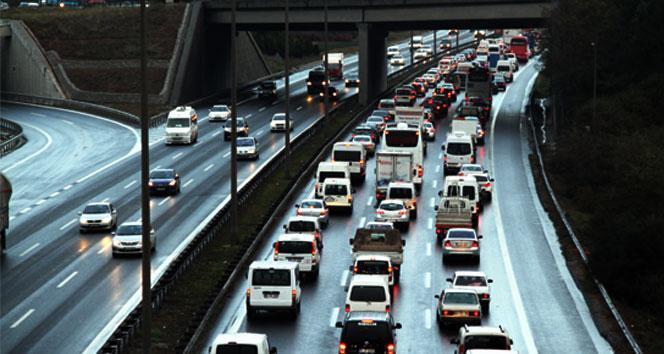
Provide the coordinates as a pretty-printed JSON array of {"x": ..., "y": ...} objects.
[
  {"x": 533, "y": 295},
  {"x": 61, "y": 291}
]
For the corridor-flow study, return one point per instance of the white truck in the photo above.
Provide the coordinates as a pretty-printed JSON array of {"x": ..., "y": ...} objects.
[
  {"x": 410, "y": 115},
  {"x": 392, "y": 166},
  {"x": 379, "y": 242},
  {"x": 335, "y": 65}
]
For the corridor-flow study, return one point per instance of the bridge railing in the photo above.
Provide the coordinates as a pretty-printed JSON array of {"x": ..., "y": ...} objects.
[{"x": 14, "y": 137}]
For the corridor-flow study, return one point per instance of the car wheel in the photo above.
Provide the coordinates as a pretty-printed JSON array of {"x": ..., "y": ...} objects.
[
  {"x": 406, "y": 227},
  {"x": 445, "y": 260},
  {"x": 114, "y": 255},
  {"x": 397, "y": 276},
  {"x": 413, "y": 214},
  {"x": 476, "y": 259},
  {"x": 485, "y": 309},
  {"x": 251, "y": 313}
]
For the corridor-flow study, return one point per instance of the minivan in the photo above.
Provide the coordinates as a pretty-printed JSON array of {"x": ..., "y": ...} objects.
[
  {"x": 353, "y": 154},
  {"x": 273, "y": 286},
  {"x": 328, "y": 169},
  {"x": 464, "y": 185},
  {"x": 181, "y": 126},
  {"x": 300, "y": 248},
  {"x": 368, "y": 332},
  {"x": 368, "y": 293},
  {"x": 238, "y": 343},
  {"x": 459, "y": 149},
  {"x": 338, "y": 194}
]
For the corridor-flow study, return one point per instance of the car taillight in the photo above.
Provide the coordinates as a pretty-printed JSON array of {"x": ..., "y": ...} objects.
[
  {"x": 485, "y": 296},
  {"x": 446, "y": 313},
  {"x": 487, "y": 185},
  {"x": 379, "y": 196},
  {"x": 355, "y": 269},
  {"x": 420, "y": 171},
  {"x": 476, "y": 313},
  {"x": 387, "y": 308},
  {"x": 342, "y": 348},
  {"x": 323, "y": 213},
  {"x": 437, "y": 107},
  {"x": 445, "y": 158},
  {"x": 313, "y": 248},
  {"x": 461, "y": 173},
  {"x": 472, "y": 159},
  {"x": 390, "y": 348},
  {"x": 248, "y": 293},
  {"x": 298, "y": 212},
  {"x": 475, "y": 244},
  {"x": 293, "y": 295},
  {"x": 347, "y": 308},
  {"x": 439, "y": 231},
  {"x": 380, "y": 212},
  {"x": 402, "y": 212},
  {"x": 444, "y": 105},
  {"x": 361, "y": 163},
  {"x": 447, "y": 244}
]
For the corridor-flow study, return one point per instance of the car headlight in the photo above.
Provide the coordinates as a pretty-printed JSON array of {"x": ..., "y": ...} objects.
[
  {"x": 172, "y": 183},
  {"x": 106, "y": 219},
  {"x": 116, "y": 242}
]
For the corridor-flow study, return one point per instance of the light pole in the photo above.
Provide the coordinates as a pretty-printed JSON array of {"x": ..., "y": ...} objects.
[
  {"x": 594, "y": 45},
  {"x": 234, "y": 208},
  {"x": 287, "y": 87},
  {"x": 326, "y": 98},
  {"x": 412, "y": 48},
  {"x": 435, "y": 42},
  {"x": 146, "y": 308}
]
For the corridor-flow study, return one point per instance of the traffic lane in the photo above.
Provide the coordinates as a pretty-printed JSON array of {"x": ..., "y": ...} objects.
[{"x": 552, "y": 305}]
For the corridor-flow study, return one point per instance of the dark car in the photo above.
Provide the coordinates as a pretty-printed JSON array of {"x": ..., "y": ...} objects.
[
  {"x": 164, "y": 181},
  {"x": 446, "y": 89},
  {"x": 267, "y": 89},
  {"x": 445, "y": 45},
  {"x": 484, "y": 104},
  {"x": 439, "y": 105},
  {"x": 352, "y": 81},
  {"x": 498, "y": 84},
  {"x": 332, "y": 92},
  {"x": 365, "y": 129},
  {"x": 242, "y": 128},
  {"x": 368, "y": 332},
  {"x": 420, "y": 89}
]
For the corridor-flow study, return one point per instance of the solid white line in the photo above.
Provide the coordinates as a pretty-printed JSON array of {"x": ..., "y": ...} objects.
[
  {"x": 12, "y": 218},
  {"x": 130, "y": 184},
  {"x": 434, "y": 184},
  {"x": 262, "y": 109},
  {"x": 54, "y": 194},
  {"x": 38, "y": 114},
  {"x": 432, "y": 202},
  {"x": 370, "y": 201},
  {"x": 259, "y": 132},
  {"x": 363, "y": 221},
  {"x": 344, "y": 277},
  {"x": 67, "y": 279},
  {"x": 18, "y": 322},
  {"x": 177, "y": 155},
  {"x": 25, "y": 210},
  {"x": 299, "y": 108},
  {"x": 333, "y": 316},
  {"x": 237, "y": 322},
  {"x": 101, "y": 251},
  {"x": 275, "y": 103},
  {"x": 68, "y": 122},
  {"x": 430, "y": 224},
  {"x": 427, "y": 280},
  {"x": 227, "y": 154},
  {"x": 428, "y": 249},
  {"x": 187, "y": 183},
  {"x": 427, "y": 318},
  {"x": 67, "y": 187},
  {"x": 49, "y": 141},
  {"x": 41, "y": 201},
  {"x": 216, "y": 133},
  {"x": 67, "y": 224},
  {"x": 29, "y": 249},
  {"x": 437, "y": 168},
  {"x": 247, "y": 116},
  {"x": 164, "y": 201},
  {"x": 208, "y": 168}
]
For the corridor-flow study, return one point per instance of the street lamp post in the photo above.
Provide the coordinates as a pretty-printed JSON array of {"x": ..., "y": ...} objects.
[
  {"x": 234, "y": 218},
  {"x": 287, "y": 87},
  {"x": 594, "y": 45},
  {"x": 326, "y": 98}
]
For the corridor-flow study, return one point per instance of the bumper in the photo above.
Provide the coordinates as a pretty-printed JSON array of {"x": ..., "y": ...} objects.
[
  {"x": 128, "y": 250},
  {"x": 178, "y": 139},
  {"x": 163, "y": 189},
  {"x": 247, "y": 156},
  {"x": 461, "y": 253},
  {"x": 460, "y": 320},
  {"x": 96, "y": 226}
]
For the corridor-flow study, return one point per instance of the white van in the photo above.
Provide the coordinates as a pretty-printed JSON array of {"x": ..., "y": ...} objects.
[
  {"x": 467, "y": 126},
  {"x": 404, "y": 191},
  {"x": 328, "y": 169},
  {"x": 300, "y": 248},
  {"x": 305, "y": 225},
  {"x": 353, "y": 154},
  {"x": 368, "y": 293},
  {"x": 273, "y": 286},
  {"x": 393, "y": 50},
  {"x": 465, "y": 186},
  {"x": 505, "y": 67},
  {"x": 241, "y": 343},
  {"x": 338, "y": 194},
  {"x": 459, "y": 149},
  {"x": 181, "y": 126},
  {"x": 376, "y": 265}
]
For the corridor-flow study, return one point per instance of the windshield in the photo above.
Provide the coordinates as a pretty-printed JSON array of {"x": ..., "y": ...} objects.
[
  {"x": 311, "y": 204},
  {"x": 268, "y": 85},
  {"x": 467, "y": 280},
  {"x": 96, "y": 209},
  {"x": 402, "y": 138},
  {"x": 128, "y": 230},
  {"x": 368, "y": 293},
  {"x": 357, "y": 333},
  {"x": 486, "y": 342},
  {"x": 245, "y": 142},
  {"x": 458, "y": 149},
  {"x": 237, "y": 349},
  {"x": 240, "y": 123},
  {"x": 503, "y": 68},
  {"x": 279, "y": 117},
  {"x": 391, "y": 206},
  {"x": 372, "y": 267},
  {"x": 276, "y": 277},
  {"x": 220, "y": 109},
  {"x": 400, "y": 193},
  {"x": 465, "y": 234},
  {"x": 336, "y": 189},
  {"x": 387, "y": 104},
  {"x": 471, "y": 168},
  {"x": 178, "y": 122},
  {"x": 302, "y": 226},
  {"x": 161, "y": 174},
  {"x": 460, "y": 299},
  {"x": 330, "y": 174},
  {"x": 347, "y": 156},
  {"x": 294, "y": 247}
]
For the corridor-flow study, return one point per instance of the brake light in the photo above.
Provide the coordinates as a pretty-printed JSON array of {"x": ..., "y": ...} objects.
[
  {"x": 347, "y": 308},
  {"x": 361, "y": 163},
  {"x": 439, "y": 231},
  {"x": 248, "y": 293},
  {"x": 420, "y": 171},
  {"x": 355, "y": 269},
  {"x": 387, "y": 308},
  {"x": 487, "y": 185},
  {"x": 472, "y": 159},
  {"x": 323, "y": 213},
  {"x": 485, "y": 296},
  {"x": 446, "y": 313},
  {"x": 380, "y": 212},
  {"x": 444, "y": 105},
  {"x": 313, "y": 249},
  {"x": 476, "y": 313},
  {"x": 298, "y": 212},
  {"x": 293, "y": 295},
  {"x": 390, "y": 348},
  {"x": 412, "y": 97},
  {"x": 276, "y": 249},
  {"x": 447, "y": 244},
  {"x": 475, "y": 244},
  {"x": 402, "y": 212},
  {"x": 342, "y": 348},
  {"x": 437, "y": 107}
]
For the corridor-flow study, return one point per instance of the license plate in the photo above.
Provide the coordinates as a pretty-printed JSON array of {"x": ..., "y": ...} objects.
[
  {"x": 270, "y": 295},
  {"x": 463, "y": 244},
  {"x": 367, "y": 351},
  {"x": 294, "y": 259}
]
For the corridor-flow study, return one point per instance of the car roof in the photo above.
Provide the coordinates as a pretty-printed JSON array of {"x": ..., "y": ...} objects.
[
  {"x": 303, "y": 218},
  {"x": 469, "y": 273},
  {"x": 401, "y": 184},
  {"x": 375, "y": 257},
  {"x": 99, "y": 203},
  {"x": 336, "y": 181},
  {"x": 305, "y": 237},
  {"x": 241, "y": 338},
  {"x": 132, "y": 223},
  {"x": 366, "y": 279},
  {"x": 272, "y": 264},
  {"x": 486, "y": 330},
  {"x": 246, "y": 138},
  {"x": 220, "y": 106}
]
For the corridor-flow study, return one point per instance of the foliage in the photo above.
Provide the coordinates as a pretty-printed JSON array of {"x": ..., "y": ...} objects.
[{"x": 272, "y": 43}]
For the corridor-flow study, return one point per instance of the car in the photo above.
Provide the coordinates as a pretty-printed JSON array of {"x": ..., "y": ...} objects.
[
  {"x": 461, "y": 242},
  {"x": 387, "y": 104},
  {"x": 394, "y": 211},
  {"x": 453, "y": 32},
  {"x": 429, "y": 131},
  {"x": 470, "y": 169},
  {"x": 273, "y": 286},
  {"x": 332, "y": 93},
  {"x": 428, "y": 49},
  {"x": 459, "y": 307},
  {"x": 475, "y": 281},
  {"x": 278, "y": 122},
  {"x": 377, "y": 122},
  {"x": 128, "y": 239},
  {"x": 379, "y": 225},
  {"x": 98, "y": 216},
  {"x": 376, "y": 265},
  {"x": 430, "y": 79},
  {"x": 181, "y": 126},
  {"x": 421, "y": 54},
  {"x": 164, "y": 180},
  {"x": 219, "y": 112},
  {"x": 256, "y": 343},
  {"x": 4, "y": 6},
  {"x": 404, "y": 96},
  {"x": 480, "y": 133},
  {"x": 484, "y": 181},
  {"x": 242, "y": 128},
  {"x": 393, "y": 51},
  {"x": 498, "y": 83},
  {"x": 305, "y": 225},
  {"x": 420, "y": 88},
  {"x": 368, "y": 293},
  {"x": 368, "y": 332},
  {"x": 405, "y": 191},
  {"x": 481, "y": 337},
  {"x": 367, "y": 142},
  {"x": 352, "y": 81},
  {"x": 449, "y": 90},
  {"x": 366, "y": 129},
  {"x": 445, "y": 45},
  {"x": 387, "y": 116},
  {"x": 397, "y": 60},
  {"x": 301, "y": 248},
  {"x": 314, "y": 208},
  {"x": 511, "y": 57},
  {"x": 460, "y": 58},
  {"x": 439, "y": 106},
  {"x": 504, "y": 67},
  {"x": 267, "y": 89},
  {"x": 338, "y": 194},
  {"x": 247, "y": 148}
]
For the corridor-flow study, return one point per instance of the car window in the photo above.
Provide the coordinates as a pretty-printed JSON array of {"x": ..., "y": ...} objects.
[
  {"x": 459, "y": 298},
  {"x": 336, "y": 189},
  {"x": 362, "y": 139},
  {"x": 245, "y": 142},
  {"x": 237, "y": 349},
  {"x": 220, "y": 109},
  {"x": 486, "y": 342},
  {"x": 368, "y": 293},
  {"x": 391, "y": 206},
  {"x": 469, "y": 192},
  {"x": 177, "y": 122},
  {"x": 347, "y": 156},
  {"x": 129, "y": 230},
  {"x": 400, "y": 193},
  {"x": 372, "y": 267},
  {"x": 96, "y": 209},
  {"x": 301, "y": 226},
  {"x": 161, "y": 174},
  {"x": 330, "y": 174},
  {"x": 275, "y": 277},
  {"x": 467, "y": 280},
  {"x": 311, "y": 204},
  {"x": 294, "y": 247},
  {"x": 463, "y": 234},
  {"x": 358, "y": 332},
  {"x": 458, "y": 149}
]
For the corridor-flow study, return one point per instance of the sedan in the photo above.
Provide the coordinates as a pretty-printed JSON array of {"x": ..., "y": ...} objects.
[
  {"x": 397, "y": 60},
  {"x": 247, "y": 148},
  {"x": 278, "y": 122},
  {"x": 395, "y": 211},
  {"x": 461, "y": 242},
  {"x": 377, "y": 122},
  {"x": 498, "y": 83},
  {"x": 352, "y": 81},
  {"x": 367, "y": 142},
  {"x": 332, "y": 92},
  {"x": 98, "y": 216},
  {"x": 458, "y": 306},
  {"x": 364, "y": 129},
  {"x": 476, "y": 281},
  {"x": 314, "y": 208},
  {"x": 420, "y": 88},
  {"x": 219, "y": 112},
  {"x": 128, "y": 239},
  {"x": 164, "y": 180},
  {"x": 387, "y": 117}
]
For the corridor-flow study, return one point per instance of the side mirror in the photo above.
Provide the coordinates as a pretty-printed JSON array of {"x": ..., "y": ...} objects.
[
  {"x": 442, "y": 147},
  {"x": 492, "y": 180},
  {"x": 435, "y": 208},
  {"x": 397, "y": 326},
  {"x": 480, "y": 236},
  {"x": 284, "y": 226},
  {"x": 440, "y": 193},
  {"x": 274, "y": 244},
  {"x": 273, "y": 350},
  {"x": 350, "y": 241},
  {"x": 80, "y": 213},
  {"x": 486, "y": 171},
  {"x": 403, "y": 242},
  {"x": 437, "y": 296},
  {"x": 448, "y": 279},
  {"x": 338, "y": 324},
  {"x": 489, "y": 281}
]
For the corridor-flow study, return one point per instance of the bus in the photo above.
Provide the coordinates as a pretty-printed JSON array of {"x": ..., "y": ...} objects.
[
  {"x": 405, "y": 137},
  {"x": 520, "y": 47}
]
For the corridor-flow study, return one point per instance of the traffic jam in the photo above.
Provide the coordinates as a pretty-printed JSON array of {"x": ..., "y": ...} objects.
[{"x": 450, "y": 103}]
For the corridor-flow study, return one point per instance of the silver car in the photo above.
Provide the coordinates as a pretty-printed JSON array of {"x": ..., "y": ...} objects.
[
  {"x": 247, "y": 148},
  {"x": 127, "y": 239},
  {"x": 459, "y": 307},
  {"x": 98, "y": 216},
  {"x": 315, "y": 208},
  {"x": 395, "y": 211},
  {"x": 461, "y": 242},
  {"x": 219, "y": 112},
  {"x": 476, "y": 281}
]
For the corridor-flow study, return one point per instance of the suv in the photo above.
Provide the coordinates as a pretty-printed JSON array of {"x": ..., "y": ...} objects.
[
  {"x": 241, "y": 343},
  {"x": 242, "y": 128},
  {"x": 376, "y": 265},
  {"x": 368, "y": 332},
  {"x": 477, "y": 337},
  {"x": 267, "y": 89},
  {"x": 300, "y": 248},
  {"x": 273, "y": 286},
  {"x": 368, "y": 293}
]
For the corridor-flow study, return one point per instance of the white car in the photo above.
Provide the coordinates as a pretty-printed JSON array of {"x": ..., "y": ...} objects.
[
  {"x": 305, "y": 225},
  {"x": 395, "y": 211},
  {"x": 367, "y": 142},
  {"x": 476, "y": 281},
  {"x": 421, "y": 54},
  {"x": 461, "y": 242},
  {"x": 484, "y": 180},
  {"x": 397, "y": 60},
  {"x": 459, "y": 307},
  {"x": 368, "y": 293},
  {"x": 301, "y": 249},
  {"x": 127, "y": 239},
  {"x": 376, "y": 265},
  {"x": 247, "y": 148},
  {"x": 219, "y": 112},
  {"x": 273, "y": 286},
  {"x": 514, "y": 61},
  {"x": 481, "y": 337},
  {"x": 314, "y": 208},
  {"x": 98, "y": 216},
  {"x": 278, "y": 122},
  {"x": 393, "y": 51},
  {"x": 241, "y": 343}
]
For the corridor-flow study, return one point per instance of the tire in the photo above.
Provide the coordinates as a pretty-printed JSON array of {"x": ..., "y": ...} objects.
[
  {"x": 295, "y": 311},
  {"x": 114, "y": 255},
  {"x": 413, "y": 214},
  {"x": 397, "y": 276},
  {"x": 485, "y": 309},
  {"x": 316, "y": 273},
  {"x": 445, "y": 260},
  {"x": 406, "y": 227},
  {"x": 476, "y": 259},
  {"x": 251, "y": 313}
]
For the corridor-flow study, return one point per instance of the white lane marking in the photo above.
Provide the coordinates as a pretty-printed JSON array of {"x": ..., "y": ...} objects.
[
  {"x": 344, "y": 277},
  {"x": 227, "y": 154},
  {"x": 247, "y": 116},
  {"x": 67, "y": 224},
  {"x": 12, "y": 218},
  {"x": 54, "y": 194},
  {"x": 41, "y": 201},
  {"x": 434, "y": 184},
  {"x": 259, "y": 132},
  {"x": 430, "y": 224},
  {"x": 262, "y": 109},
  {"x": 427, "y": 318},
  {"x": 502, "y": 242},
  {"x": 237, "y": 322},
  {"x": 68, "y": 122},
  {"x": 38, "y": 114},
  {"x": 437, "y": 168},
  {"x": 67, "y": 187},
  {"x": 299, "y": 108},
  {"x": 216, "y": 133},
  {"x": 130, "y": 184},
  {"x": 67, "y": 279},
  {"x": 432, "y": 202},
  {"x": 26, "y": 315},
  {"x": 427, "y": 280},
  {"x": 187, "y": 183},
  {"x": 428, "y": 249},
  {"x": 440, "y": 155},
  {"x": 370, "y": 201},
  {"x": 24, "y": 211},
  {"x": 101, "y": 250},
  {"x": 177, "y": 155},
  {"x": 333, "y": 316},
  {"x": 29, "y": 249},
  {"x": 275, "y": 103},
  {"x": 157, "y": 167},
  {"x": 363, "y": 221},
  {"x": 208, "y": 167},
  {"x": 164, "y": 201},
  {"x": 49, "y": 141}
]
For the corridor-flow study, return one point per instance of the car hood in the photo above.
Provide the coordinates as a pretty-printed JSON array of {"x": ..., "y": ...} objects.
[
  {"x": 127, "y": 238},
  {"x": 219, "y": 114},
  {"x": 88, "y": 217}
]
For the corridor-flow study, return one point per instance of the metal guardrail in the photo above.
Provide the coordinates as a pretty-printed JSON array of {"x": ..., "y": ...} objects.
[
  {"x": 119, "y": 340},
  {"x": 15, "y": 137}
]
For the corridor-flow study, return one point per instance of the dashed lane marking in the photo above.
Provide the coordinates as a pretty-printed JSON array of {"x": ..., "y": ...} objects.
[
  {"x": 177, "y": 155},
  {"x": 429, "y": 249},
  {"x": 18, "y": 322},
  {"x": 344, "y": 277},
  {"x": 24, "y": 211},
  {"x": 299, "y": 108},
  {"x": 129, "y": 184},
  {"x": 432, "y": 202},
  {"x": 427, "y": 280},
  {"x": 262, "y": 109},
  {"x": 437, "y": 168},
  {"x": 164, "y": 201},
  {"x": 334, "y": 315},
  {"x": 370, "y": 201},
  {"x": 208, "y": 167},
  {"x": 67, "y": 187},
  {"x": 54, "y": 194},
  {"x": 363, "y": 221},
  {"x": 40, "y": 202},
  {"x": 216, "y": 133},
  {"x": 427, "y": 318},
  {"x": 430, "y": 224},
  {"x": 227, "y": 154},
  {"x": 434, "y": 184},
  {"x": 29, "y": 249},
  {"x": 67, "y": 279},
  {"x": 188, "y": 183},
  {"x": 67, "y": 224}
]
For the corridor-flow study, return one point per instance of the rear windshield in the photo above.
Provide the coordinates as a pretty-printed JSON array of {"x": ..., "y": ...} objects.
[
  {"x": 398, "y": 138},
  {"x": 368, "y": 293},
  {"x": 237, "y": 349},
  {"x": 372, "y": 267},
  {"x": 178, "y": 122},
  {"x": 458, "y": 149},
  {"x": 294, "y": 246},
  {"x": 466, "y": 191},
  {"x": 391, "y": 206},
  {"x": 331, "y": 174},
  {"x": 486, "y": 342},
  {"x": 312, "y": 204},
  {"x": 301, "y": 226},
  {"x": 265, "y": 277},
  {"x": 460, "y": 298},
  {"x": 468, "y": 280},
  {"x": 461, "y": 234},
  {"x": 96, "y": 209},
  {"x": 480, "y": 178},
  {"x": 387, "y": 104},
  {"x": 362, "y": 139},
  {"x": 359, "y": 332},
  {"x": 503, "y": 68},
  {"x": 346, "y": 156},
  {"x": 335, "y": 189},
  {"x": 400, "y": 193}
]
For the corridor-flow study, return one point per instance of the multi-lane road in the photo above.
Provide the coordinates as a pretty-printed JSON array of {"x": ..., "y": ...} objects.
[{"x": 61, "y": 291}]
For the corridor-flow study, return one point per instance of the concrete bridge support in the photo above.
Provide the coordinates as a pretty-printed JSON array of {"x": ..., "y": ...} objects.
[{"x": 372, "y": 61}]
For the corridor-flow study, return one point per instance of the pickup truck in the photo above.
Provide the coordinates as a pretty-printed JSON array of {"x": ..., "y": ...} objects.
[
  {"x": 379, "y": 242},
  {"x": 453, "y": 212}
]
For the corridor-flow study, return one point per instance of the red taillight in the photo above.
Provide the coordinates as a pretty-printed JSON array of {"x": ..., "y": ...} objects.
[
  {"x": 487, "y": 185},
  {"x": 437, "y": 107},
  {"x": 446, "y": 313},
  {"x": 380, "y": 212},
  {"x": 355, "y": 269},
  {"x": 390, "y": 348},
  {"x": 444, "y": 105},
  {"x": 298, "y": 213},
  {"x": 447, "y": 244},
  {"x": 420, "y": 171},
  {"x": 387, "y": 308},
  {"x": 402, "y": 212},
  {"x": 439, "y": 231},
  {"x": 293, "y": 295},
  {"x": 342, "y": 348},
  {"x": 313, "y": 248},
  {"x": 476, "y": 313},
  {"x": 485, "y": 296},
  {"x": 412, "y": 97},
  {"x": 475, "y": 244},
  {"x": 276, "y": 249},
  {"x": 347, "y": 309}
]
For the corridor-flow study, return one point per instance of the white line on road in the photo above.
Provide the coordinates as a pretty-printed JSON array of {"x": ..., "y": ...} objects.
[
  {"x": 427, "y": 280},
  {"x": 344, "y": 277},
  {"x": 370, "y": 200},
  {"x": 12, "y": 218},
  {"x": 227, "y": 154},
  {"x": 177, "y": 155},
  {"x": 68, "y": 122},
  {"x": 130, "y": 184},
  {"x": 67, "y": 224},
  {"x": 247, "y": 116},
  {"x": 363, "y": 221},
  {"x": 334, "y": 315},
  {"x": 237, "y": 322},
  {"x": 259, "y": 132},
  {"x": 164, "y": 201},
  {"x": 30, "y": 249},
  {"x": 216, "y": 133},
  {"x": 432, "y": 203},
  {"x": 101, "y": 251},
  {"x": 67, "y": 279},
  {"x": 440, "y": 155},
  {"x": 54, "y": 194},
  {"x": 187, "y": 183},
  {"x": 434, "y": 184},
  {"x": 49, "y": 141},
  {"x": 157, "y": 167},
  {"x": 427, "y": 318},
  {"x": 41, "y": 201},
  {"x": 38, "y": 114},
  {"x": 262, "y": 109},
  {"x": 430, "y": 224},
  {"x": 24, "y": 211},
  {"x": 428, "y": 249},
  {"x": 275, "y": 103},
  {"x": 18, "y": 322},
  {"x": 208, "y": 168},
  {"x": 437, "y": 168},
  {"x": 299, "y": 108},
  {"x": 67, "y": 187}
]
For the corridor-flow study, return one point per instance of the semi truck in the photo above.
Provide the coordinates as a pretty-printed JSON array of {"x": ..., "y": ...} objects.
[
  {"x": 392, "y": 166},
  {"x": 5, "y": 194},
  {"x": 335, "y": 65}
]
